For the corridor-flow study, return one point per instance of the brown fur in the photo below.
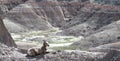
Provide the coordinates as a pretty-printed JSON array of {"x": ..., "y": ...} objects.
[{"x": 38, "y": 51}]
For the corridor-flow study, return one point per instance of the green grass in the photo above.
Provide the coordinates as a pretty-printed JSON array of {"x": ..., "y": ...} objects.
[
  {"x": 52, "y": 30},
  {"x": 68, "y": 48},
  {"x": 65, "y": 48},
  {"x": 68, "y": 39},
  {"x": 18, "y": 40}
]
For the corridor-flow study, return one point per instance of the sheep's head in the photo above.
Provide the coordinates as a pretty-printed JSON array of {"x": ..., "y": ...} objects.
[{"x": 45, "y": 43}]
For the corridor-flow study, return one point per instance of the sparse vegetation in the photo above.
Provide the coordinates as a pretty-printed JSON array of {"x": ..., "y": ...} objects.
[
  {"x": 36, "y": 37},
  {"x": 65, "y": 48}
]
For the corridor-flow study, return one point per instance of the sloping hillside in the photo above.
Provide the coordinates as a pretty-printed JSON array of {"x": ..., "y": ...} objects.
[
  {"x": 104, "y": 35},
  {"x": 92, "y": 25}
]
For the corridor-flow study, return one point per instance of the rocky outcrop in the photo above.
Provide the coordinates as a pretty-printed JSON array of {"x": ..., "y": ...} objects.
[
  {"x": 7, "y": 52},
  {"x": 10, "y": 54},
  {"x": 113, "y": 55},
  {"x": 25, "y": 18},
  {"x": 90, "y": 18},
  {"x": 5, "y": 37},
  {"x": 42, "y": 15},
  {"x": 104, "y": 35},
  {"x": 112, "y": 2},
  {"x": 106, "y": 47}
]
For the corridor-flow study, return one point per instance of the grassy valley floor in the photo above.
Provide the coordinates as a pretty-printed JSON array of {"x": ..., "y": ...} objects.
[{"x": 34, "y": 39}]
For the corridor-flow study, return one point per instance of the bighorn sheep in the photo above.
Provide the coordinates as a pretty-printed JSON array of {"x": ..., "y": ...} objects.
[{"x": 38, "y": 51}]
